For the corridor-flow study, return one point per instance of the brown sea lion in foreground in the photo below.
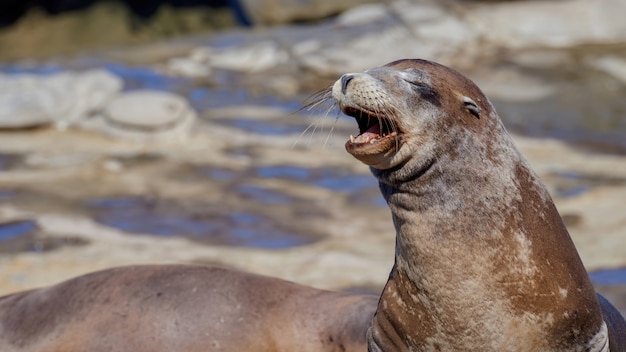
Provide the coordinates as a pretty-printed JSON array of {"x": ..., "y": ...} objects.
[
  {"x": 182, "y": 308},
  {"x": 483, "y": 261}
]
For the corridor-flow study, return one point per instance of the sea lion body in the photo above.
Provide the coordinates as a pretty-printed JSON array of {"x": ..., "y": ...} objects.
[
  {"x": 159, "y": 308},
  {"x": 483, "y": 260}
]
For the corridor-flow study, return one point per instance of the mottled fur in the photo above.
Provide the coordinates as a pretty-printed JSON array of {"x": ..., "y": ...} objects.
[{"x": 483, "y": 260}]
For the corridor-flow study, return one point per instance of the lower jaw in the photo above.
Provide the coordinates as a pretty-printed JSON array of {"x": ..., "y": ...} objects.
[{"x": 387, "y": 144}]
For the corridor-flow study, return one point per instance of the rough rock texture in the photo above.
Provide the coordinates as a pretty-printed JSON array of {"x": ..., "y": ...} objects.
[
  {"x": 269, "y": 12},
  {"x": 61, "y": 99}
]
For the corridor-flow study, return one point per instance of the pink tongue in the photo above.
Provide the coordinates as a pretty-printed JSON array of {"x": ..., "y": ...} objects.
[{"x": 372, "y": 133}]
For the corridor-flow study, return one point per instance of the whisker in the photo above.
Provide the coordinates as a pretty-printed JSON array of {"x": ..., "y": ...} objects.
[
  {"x": 316, "y": 100},
  {"x": 323, "y": 120},
  {"x": 330, "y": 133}
]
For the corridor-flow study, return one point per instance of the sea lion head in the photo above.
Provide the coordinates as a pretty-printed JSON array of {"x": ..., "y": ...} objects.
[{"x": 409, "y": 112}]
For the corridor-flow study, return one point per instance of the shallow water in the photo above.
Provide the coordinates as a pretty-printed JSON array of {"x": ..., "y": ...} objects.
[
  {"x": 573, "y": 184},
  {"x": 207, "y": 225},
  {"x": 261, "y": 126},
  {"x": 333, "y": 179},
  {"x": 13, "y": 229},
  {"x": 9, "y": 161},
  {"x": 609, "y": 276}
]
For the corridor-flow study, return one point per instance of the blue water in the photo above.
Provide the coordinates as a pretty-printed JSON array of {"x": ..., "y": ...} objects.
[
  {"x": 214, "y": 226},
  {"x": 14, "y": 229},
  {"x": 7, "y": 194},
  {"x": 576, "y": 183},
  {"x": 264, "y": 195},
  {"x": 334, "y": 179},
  {"x": 219, "y": 174},
  {"x": 609, "y": 276},
  {"x": 263, "y": 127},
  {"x": 7, "y": 161}
]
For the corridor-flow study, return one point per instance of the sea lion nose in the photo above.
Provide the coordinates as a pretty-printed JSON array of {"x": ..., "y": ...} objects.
[{"x": 345, "y": 79}]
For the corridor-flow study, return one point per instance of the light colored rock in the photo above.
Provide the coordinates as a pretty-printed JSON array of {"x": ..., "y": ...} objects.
[
  {"x": 511, "y": 85},
  {"x": 91, "y": 91},
  {"x": 542, "y": 59},
  {"x": 188, "y": 68},
  {"x": 63, "y": 99},
  {"x": 418, "y": 13},
  {"x": 27, "y": 101},
  {"x": 552, "y": 23},
  {"x": 146, "y": 110},
  {"x": 424, "y": 30},
  {"x": 251, "y": 58},
  {"x": 264, "y": 12},
  {"x": 458, "y": 33},
  {"x": 306, "y": 47},
  {"x": 389, "y": 44},
  {"x": 363, "y": 15},
  {"x": 612, "y": 65},
  {"x": 146, "y": 115},
  {"x": 195, "y": 65}
]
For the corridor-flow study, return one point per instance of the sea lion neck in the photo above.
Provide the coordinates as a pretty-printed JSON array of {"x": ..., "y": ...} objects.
[
  {"x": 475, "y": 224},
  {"x": 465, "y": 191},
  {"x": 483, "y": 261}
]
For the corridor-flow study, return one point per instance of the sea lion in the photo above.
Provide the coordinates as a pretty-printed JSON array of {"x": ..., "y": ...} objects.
[
  {"x": 483, "y": 261},
  {"x": 165, "y": 308}
]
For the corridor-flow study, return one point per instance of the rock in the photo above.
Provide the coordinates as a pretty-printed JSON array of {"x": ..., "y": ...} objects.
[
  {"x": 88, "y": 92},
  {"x": 264, "y": 12},
  {"x": 460, "y": 33},
  {"x": 418, "y": 13},
  {"x": 422, "y": 30},
  {"x": 146, "y": 115},
  {"x": 255, "y": 57},
  {"x": 552, "y": 23},
  {"x": 26, "y": 101},
  {"x": 512, "y": 85},
  {"x": 383, "y": 46},
  {"x": 611, "y": 65},
  {"x": 252, "y": 58},
  {"x": 188, "y": 68},
  {"x": 63, "y": 99},
  {"x": 196, "y": 65},
  {"x": 542, "y": 58},
  {"x": 364, "y": 14}
]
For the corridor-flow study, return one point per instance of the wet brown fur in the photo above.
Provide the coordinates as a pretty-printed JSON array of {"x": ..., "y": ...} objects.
[{"x": 483, "y": 259}]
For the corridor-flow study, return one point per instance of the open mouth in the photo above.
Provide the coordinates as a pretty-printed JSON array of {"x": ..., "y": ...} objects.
[{"x": 373, "y": 129}]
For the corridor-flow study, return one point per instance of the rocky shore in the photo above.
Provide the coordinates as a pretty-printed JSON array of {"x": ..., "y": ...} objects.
[{"x": 194, "y": 150}]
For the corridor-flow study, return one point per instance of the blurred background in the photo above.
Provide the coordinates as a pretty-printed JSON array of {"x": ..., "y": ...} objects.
[{"x": 172, "y": 131}]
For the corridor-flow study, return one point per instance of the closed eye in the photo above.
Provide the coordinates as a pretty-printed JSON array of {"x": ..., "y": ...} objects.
[
  {"x": 471, "y": 106},
  {"x": 419, "y": 85},
  {"x": 427, "y": 92}
]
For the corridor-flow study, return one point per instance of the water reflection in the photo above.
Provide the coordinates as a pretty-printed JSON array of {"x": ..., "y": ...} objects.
[
  {"x": 13, "y": 229},
  {"x": 335, "y": 179},
  {"x": 609, "y": 276},
  {"x": 215, "y": 226}
]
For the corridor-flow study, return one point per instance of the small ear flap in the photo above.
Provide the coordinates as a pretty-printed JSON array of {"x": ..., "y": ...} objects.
[{"x": 471, "y": 106}]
